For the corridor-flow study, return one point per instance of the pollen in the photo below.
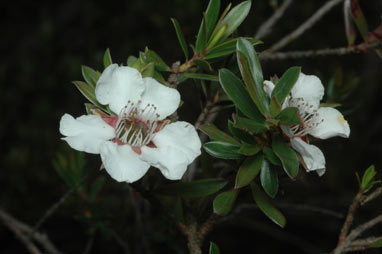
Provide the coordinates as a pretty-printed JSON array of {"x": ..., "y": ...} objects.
[{"x": 342, "y": 120}]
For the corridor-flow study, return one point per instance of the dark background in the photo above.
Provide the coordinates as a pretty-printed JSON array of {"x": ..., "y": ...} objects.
[{"x": 43, "y": 45}]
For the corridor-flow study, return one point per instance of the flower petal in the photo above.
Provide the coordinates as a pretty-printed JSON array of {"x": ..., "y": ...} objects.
[
  {"x": 268, "y": 87},
  {"x": 170, "y": 161},
  {"x": 310, "y": 88},
  {"x": 85, "y": 133},
  {"x": 177, "y": 145},
  {"x": 333, "y": 124},
  {"x": 165, "y": 99},
  {"x": 313, "y": 157},
  {"x": 117, "y": 85},
  {"x": 122, "y": 163}
]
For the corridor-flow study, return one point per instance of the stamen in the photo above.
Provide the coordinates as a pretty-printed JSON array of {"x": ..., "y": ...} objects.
[
  {"x": 136, "y": 126},
  {"x": 309, "y": 116}
]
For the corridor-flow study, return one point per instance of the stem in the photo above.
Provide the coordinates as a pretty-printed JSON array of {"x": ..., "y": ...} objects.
[
  {"x": 349, "y": 218},
  {"x": 195, "y": 234},
  {"x": 266, "y": 27},
  {"x": 22, "y": 231},
  {"x": 319, "y": 52},
  {"x": 56, "y": 205},
  {"x": 305, "y": 26}
]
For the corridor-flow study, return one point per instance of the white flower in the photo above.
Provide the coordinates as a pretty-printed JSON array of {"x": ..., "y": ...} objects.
[
  {"x": 322, "y": 123},
  {"x": 138, "y": 137}
]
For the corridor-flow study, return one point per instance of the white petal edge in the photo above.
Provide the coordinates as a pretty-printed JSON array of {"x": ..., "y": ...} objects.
[
  {"x": 165, "y": 99},
  {"x": 177, "y": 145},
  {"x": 333, "y": 125},
  {"x": 122, "y": 163},
  {"x": 313, "y": 157},
  {"x": 117, "y": 85},
  {"x": 86, "y": 133},
  {"x": 310, "y": 88}
]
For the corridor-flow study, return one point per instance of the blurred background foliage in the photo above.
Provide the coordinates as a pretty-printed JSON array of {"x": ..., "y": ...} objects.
[{"x": 43, "y": 47}]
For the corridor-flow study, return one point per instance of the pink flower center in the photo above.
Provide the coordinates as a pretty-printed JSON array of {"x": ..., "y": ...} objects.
[
  {"x": 308, "y": 114},
  {"x": 135, "y": 125}
]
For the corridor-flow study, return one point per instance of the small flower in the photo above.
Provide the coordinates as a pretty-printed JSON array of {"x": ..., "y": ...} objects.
[
  {"x": 138, "y": 136},
  {"x": 322, "y": 123}
]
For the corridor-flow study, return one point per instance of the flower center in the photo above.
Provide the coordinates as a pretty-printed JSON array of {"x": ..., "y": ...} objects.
[
  {"x": 136, "y": 126},
  {"x": 308, "y": 114}
]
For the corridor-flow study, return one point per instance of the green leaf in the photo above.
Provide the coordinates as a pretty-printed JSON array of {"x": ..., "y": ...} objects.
[
  {"x": 236, "y": 91},
  {"x": 289, "y": 116},
  {"x": 202, "y": 64},
  {"x": 233, "y": 19},
  {"x": 152, "y": 57},
  {"x": 250, "y": 125},
  {"x": 159, "y": 77},
  {"x": 90, "y": 76},
  {"x": 286, "y": 154},
  {"x": 199, "y": 188},
  {"x": 201, "y": 39},
  {"x": 227, "y": 48},
  {"x": 215, "y": 134},
  {"x": 367, "y": 178},
  {"x": 131, "y": 60},
  {"x": 271, "y": 156},
  {"x": 222, "y": 150},
  {"x": 376, "y": 244},
  {"x": 269, "y": 179},
  {"x": 88, "y": 92},
  {"x": 248, "y": 170},
  {"x": 266, "y": 206},
  {"x": 252, "y": 74},
  {"x": 200, "y": 76},
  {"x": 181, "y": 39},
  {"x": 223, "y": 202},
  {"x": 214, "y": 248},
  {"x": 148, "y": 70},
  {"x": 249, "y": 150},
  {"x": 96, "y": 188},
  {"x": 283, "y": 88},
  {"x": 360, "y": 19},
  {"x": 368, "y": 175},
  {"x": 107, "y": 58},
  {"x": 212, "y": 14},
  {"x": 240, "y": 134}
]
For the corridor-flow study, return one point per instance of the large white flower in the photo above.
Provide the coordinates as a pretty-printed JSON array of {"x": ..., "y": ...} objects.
[
  {"x": 320, "y": 122},
  {"x": 138, "y": 137}
]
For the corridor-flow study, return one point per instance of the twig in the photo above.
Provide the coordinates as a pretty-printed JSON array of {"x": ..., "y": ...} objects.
[
  {"x": 193, "y": 239},
  {"x": 10, "y": 223},
  {"x": 355, "y": 233},
  {"x": 360, "y": 229},
  {"x": 195, "y": 234},
  {"x": 23, "y": 231},
  {"x": 362, "y": 244},
  {"x": 305, "y": 26},
  {"x": 349, "y": 219},
  {"x": 89, "y": 244},
  {"x": 120, "y": 241},
  {"x": 208, "y": 108},
  {"x": 318, "y": 52},
  {"x": 373, "y": 195},
  {"x": 266, "y": 27},
  {"x": 208, "y": 225},
  {"x": 56, "y": 205}
]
